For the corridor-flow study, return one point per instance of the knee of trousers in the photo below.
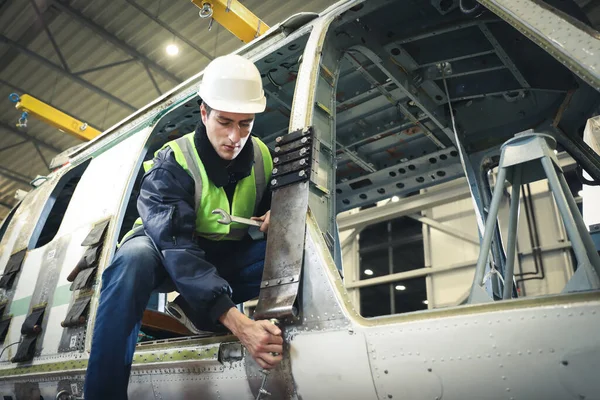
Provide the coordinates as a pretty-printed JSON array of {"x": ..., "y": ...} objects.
[{"x": 135, "y": 261}]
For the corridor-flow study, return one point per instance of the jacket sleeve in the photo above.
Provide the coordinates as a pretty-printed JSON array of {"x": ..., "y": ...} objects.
[{"x": 166, "y": 206}]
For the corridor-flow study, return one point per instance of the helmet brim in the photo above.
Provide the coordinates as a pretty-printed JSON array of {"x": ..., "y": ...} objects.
[{"x": 246, "y": 107}]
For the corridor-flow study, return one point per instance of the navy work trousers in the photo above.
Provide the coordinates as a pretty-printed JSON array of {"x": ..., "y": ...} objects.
[{"x": 127, "y": 284}]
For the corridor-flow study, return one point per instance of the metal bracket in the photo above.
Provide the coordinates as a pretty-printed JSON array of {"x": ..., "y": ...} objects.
[
  {"x": 292, "y": 163},
  {"x": 280, "y": 281}
]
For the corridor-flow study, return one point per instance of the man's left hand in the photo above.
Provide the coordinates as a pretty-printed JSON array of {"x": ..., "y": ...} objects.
[{"x": 265, "y": 221}]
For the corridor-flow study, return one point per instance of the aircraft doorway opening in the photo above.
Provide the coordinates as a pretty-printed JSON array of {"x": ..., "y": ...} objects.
[{"x": 278, "y": 71}]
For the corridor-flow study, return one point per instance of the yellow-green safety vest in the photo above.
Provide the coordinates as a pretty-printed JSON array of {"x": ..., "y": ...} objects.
[{"x": 207, "y": 196}]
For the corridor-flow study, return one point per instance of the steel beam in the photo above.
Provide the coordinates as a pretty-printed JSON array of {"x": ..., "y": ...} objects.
[
  {"x": 459, "y": 58},
  {"x": 421, "y": 272},
  {"x": 437, "y": 31},
  {"x": 445, "y": 228},
  {"x": 374, "y": 52},
  {"x": 402, "y": 109},
  {"x": 29, "y": 137},
  {"x": 457, "y": 190},
  {"x": 37, "y": 148},
  {"x": 153, "y": 80},
  {"x": 50, "y": 36},
  {"x": 504, "y": 57},
  {"x": 358, "y": 160},
  {"x": 15, "y": 176},
  {"x": 391, "y": 243},
  {"x": 570, "y": 42},
  {"x": 14, "y": 145},
  {"x": 115, "y": 64},
  {"x": 399, "y": 179},
  {"x": 30, "y": 34},
  {"x": 168, "y": 28},
  {"x": 103, "y": 33},
  {"x": 67, "y": 74},
  {"x": 401, "y": 276}
]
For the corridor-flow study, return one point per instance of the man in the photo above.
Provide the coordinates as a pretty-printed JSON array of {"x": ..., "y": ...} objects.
[{"x": 178, "y": 241}]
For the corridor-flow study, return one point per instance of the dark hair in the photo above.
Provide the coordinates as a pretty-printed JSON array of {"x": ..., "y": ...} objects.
[{"x": 207, "y": 107}]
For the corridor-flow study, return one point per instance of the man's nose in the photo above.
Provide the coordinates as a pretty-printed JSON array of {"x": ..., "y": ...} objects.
[{"x": 234, "y": 134}]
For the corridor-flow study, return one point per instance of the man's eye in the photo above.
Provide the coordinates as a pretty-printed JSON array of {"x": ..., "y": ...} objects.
[
  {"x": 245, "y": 125},
  {"x": 223, "y": 123}
]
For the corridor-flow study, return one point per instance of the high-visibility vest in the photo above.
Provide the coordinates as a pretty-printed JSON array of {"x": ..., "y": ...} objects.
[{"x": 207, "y": 196}]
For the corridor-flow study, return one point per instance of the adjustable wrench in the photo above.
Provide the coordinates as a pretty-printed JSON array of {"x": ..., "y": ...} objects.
[{"x": 227, "y": 219}]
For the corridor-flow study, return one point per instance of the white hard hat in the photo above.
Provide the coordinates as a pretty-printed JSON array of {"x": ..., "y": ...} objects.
[{"x": 232, "y": 83}]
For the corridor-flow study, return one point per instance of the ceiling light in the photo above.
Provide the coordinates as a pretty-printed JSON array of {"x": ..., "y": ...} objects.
[
  {"x": 425, "y": 302},
  {"x": 172, "y": 50},
  {"x": 368, "y": 272},
  {"x": 395, "y": 199},
  {"x": 400, "y": 287}
]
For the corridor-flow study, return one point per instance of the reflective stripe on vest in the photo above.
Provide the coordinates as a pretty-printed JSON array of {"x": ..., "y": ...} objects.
[
  {"x": 247, "y": 196},
  {"x": 186, "y": 155}
]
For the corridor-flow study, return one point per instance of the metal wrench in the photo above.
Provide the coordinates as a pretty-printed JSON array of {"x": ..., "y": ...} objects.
[{"x": 227, "y": 219}]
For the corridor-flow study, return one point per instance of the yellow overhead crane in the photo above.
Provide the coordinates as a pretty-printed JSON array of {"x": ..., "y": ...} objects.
[
  {"x": 234, "y": 17},
  {"x": 231, "y": 14},
  {"x": 29, "y": 105}
]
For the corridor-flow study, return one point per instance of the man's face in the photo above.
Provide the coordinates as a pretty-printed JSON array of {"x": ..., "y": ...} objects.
[{"x": 227, "y": 132}]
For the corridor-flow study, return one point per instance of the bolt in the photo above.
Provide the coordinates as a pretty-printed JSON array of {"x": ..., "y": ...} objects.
[
  {"x": 279, "y": 138},
  {"x": 302, "y": 162},
  {"x": 274, "y": 182},
  {"x": 279, "y": 281},
  {"x": 303, "y": 151},
  {"x": 266, "y": 283},
  {"x": 292, "y": 279},
  {"x": 275, "y": 170},
  {"x": 277, "y": 149},
  {"x": 301, "y": 173},
  {"x": 276, "y": 160}
]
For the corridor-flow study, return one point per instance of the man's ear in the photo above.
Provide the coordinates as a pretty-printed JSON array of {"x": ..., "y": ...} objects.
[{"x": 203, "y": 114}]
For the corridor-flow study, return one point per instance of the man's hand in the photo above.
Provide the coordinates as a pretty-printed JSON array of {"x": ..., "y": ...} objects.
[
  {"x": 265, "y": 221},
  {"x": 261, "y": 338}
]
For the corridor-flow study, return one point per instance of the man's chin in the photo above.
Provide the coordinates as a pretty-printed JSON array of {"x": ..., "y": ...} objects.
[{"x": 227, "y": 155}]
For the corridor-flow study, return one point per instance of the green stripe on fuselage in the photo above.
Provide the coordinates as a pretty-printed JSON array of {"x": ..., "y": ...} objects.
[{"x": 62, "y": 296}]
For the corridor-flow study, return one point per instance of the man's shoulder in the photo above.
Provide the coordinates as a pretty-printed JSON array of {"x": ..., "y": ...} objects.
[{"x": 165, "y": 159}]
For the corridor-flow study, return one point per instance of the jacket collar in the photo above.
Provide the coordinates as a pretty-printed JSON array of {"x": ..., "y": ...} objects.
[{"x": 223, "y": 172}]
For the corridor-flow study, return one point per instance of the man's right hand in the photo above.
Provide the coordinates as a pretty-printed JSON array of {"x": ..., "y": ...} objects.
[{"x": 261, "y": 338}]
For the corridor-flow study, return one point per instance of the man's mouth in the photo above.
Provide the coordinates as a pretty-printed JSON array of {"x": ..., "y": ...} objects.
[{"x": 229, "y": 148}]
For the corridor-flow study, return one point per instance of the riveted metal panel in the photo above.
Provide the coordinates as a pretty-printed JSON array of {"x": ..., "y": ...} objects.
[{"x": 512, "y": 354}]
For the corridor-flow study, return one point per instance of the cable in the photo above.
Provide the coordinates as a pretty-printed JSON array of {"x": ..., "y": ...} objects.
[
  {"x": 278, "y": 86},
  {"x": 6, "y": 347}
]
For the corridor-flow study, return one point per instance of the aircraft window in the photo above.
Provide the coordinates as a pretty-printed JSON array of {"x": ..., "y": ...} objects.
[
  {"x": 6, "y": 221},
  {"x": 56, "y": 207},
  {"x": 389, "y": 248}
]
